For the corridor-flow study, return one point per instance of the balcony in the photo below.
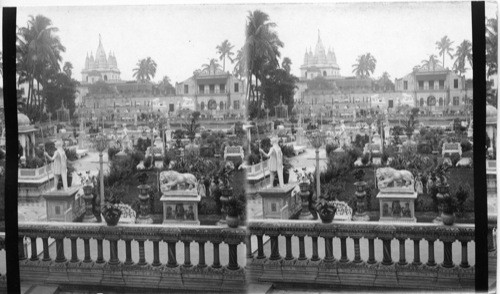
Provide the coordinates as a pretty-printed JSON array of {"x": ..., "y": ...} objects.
[
  {"x": 362, "y": 254},
  {"x": 133, "y": 256}
]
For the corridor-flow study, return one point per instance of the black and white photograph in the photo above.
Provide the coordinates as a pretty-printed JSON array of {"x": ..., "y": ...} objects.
[{"x": 231, "y": 147}]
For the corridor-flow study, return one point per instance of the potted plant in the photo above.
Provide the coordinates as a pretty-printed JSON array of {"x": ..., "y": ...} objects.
[
  {"x": 143, "y": 187},
  {"x": 441, "y": 179},
  {"x": 234, "y": 208},
  {"x": 449, "y": 204},
  {"x": 360, "y": 184},
  {"x": 111, "y": 210},
  {"x": 87, "y": 181},
  {"x": 225, "y": 179},
  {"x": 326, "y": 209},
  {"x": 70, "y": 171},
  {"x": 304, "y": 179}
]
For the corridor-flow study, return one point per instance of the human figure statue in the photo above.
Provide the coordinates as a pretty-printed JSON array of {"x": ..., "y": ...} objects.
[
  {"x": 275, "y": 156},
  {"x": 60, "y": 168},
  {"x": 419, "y": 187}
]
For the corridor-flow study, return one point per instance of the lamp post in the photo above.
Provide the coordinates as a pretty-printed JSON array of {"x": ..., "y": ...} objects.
[
  {"x": 369, "y": 121},
  {"x": 101, "y": 144},
  {"x": 317, "y": 140}
]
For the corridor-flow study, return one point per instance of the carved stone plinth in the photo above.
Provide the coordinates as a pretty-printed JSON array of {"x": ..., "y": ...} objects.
[
  {"x": 277, "y": 202},
  {"x": 327, "y": 273},
  {"x": 180, "y": 207},
  {"x": 386, "y": 275},
  {"x": 144, "y": 209},
  {"x": 87, "y": 197},
  {"x": 397, "y": 205},
  {"x": 361, "y": 274},
  {"x": 305, "y": 214},
  {"x": 60, "y": 204},
  {"x": 273, "y": 270}
]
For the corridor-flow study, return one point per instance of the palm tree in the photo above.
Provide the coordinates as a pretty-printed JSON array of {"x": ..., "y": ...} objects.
[
  {"x": 224, "y": 49},
  {"x": 165, "y": 85},
  {"x": 492, "y": 45},
  {"x": 38, "y": 58},
  {"x": 463, "y": 54},
  {"x": 145, "y": 70},
  {"x": 67, "y": 68},
  {"x": 444, "y": 47},
  {"x": 212, "y": 65},
  {"x": 239, "y": 68},
  {"x": 431, "y": 62},
  {"x": 365, "y": 65},
  {"x": 261, "y": 49},
  {"x": 286, "y": 64}
]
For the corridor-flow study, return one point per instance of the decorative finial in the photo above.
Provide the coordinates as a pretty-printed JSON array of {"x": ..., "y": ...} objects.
[
  {"x": 319, "y": 38},
  {"x": 99, "y": 38}
]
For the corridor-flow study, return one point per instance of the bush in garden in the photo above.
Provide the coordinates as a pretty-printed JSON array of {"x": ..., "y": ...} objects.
[
  {"x": 330, "y": 148},
  {"x": 467, "y": 154},
  {"x": 112, "y": 151},
  {"x": 366, "y": 159},
  {"x": 288, "y": 150},
  {"x": 265, "y": 144},
  {"x": 466, "y": 146},
  {"x": 71, "y": 154},
  {"x": 455, "y": 157},
  {"x": 424, "y": 148}
]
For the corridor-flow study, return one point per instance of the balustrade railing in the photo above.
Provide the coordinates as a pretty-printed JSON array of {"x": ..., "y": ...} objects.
[
  {"x": 34, "y": 173},
  {"x": 258, "y": 169},
  {"x": 362, "y": 254},
  {"x": 146, "y": 256}
]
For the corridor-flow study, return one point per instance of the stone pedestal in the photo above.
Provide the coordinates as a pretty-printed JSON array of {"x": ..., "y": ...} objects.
[
  {"x": 180, "y": 207},
  {"x": 87, "y": 197},
  {"x": 144, "y": 208},
  {"x": 305, "y": 214},
  {"x": 300, "y": 137},
  {"x": 279, "y": 203},
  {"x": 60, "y": 204},
  {"x": 397, "y": 205}
]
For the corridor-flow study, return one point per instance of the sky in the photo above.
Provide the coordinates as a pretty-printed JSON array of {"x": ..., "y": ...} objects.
[{"x": 181, "y": 38}]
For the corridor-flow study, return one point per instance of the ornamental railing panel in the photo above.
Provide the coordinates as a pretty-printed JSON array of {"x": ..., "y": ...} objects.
[
  {"x": 146, "y": 256},
  {"x": 362, "y": 254}
]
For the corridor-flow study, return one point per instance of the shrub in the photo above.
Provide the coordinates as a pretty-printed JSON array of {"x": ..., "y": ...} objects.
[
  {"x": 330, "y": 148},
  {"x": 207, "y": 206},
  {"x": 112, "y": 151},
  {"x": 425, "y": 203},
  {"x": 206, "y": 151},
  {"x": 455, "y": 157},
  {"x": 366, "y": 159},
  {"x": 71, "y": 154},
  {"x": 467, "y": 154},
  {"x": 466, "y": 146},
  {"x": 287, "y": 150},
  {"x": 253, "y": 159},
  {"x": 34, "y": 162},
  {"x": 424, "y": 148},
  {"x": 265, "y": 144}
]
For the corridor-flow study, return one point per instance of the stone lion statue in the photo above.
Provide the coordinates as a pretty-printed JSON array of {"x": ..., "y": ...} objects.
[
  {"x": 398, "y": 178},
  {"x": 171, "y": 178}
]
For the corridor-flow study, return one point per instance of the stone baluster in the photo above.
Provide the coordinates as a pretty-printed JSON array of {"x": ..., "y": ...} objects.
[
  {"x": 248, "y": 242},
  {"x": 275, "y": 251},
  {"x": 329, "y": 249},
  {"x": 448, "y": 255},
  {"x": 86, "y": 249},
  {"x": 233, "y": 254},
  {"x": 343, "y": 250},
  {"x": 357, "y": 252},
  {"x": 402, "y": 251},
  {"x": 34, "y": 255},
  {"x": 371, "y": 251},
  {"x": 187, "y": 254},
  {"x": 142, "y": 255},
  {"x": 100, "y": 258},
  {"x": 156, "y": 253},
  {"x": 20, "y": 247},
  {"x": 465, "y": 262},
  {"x": 387, "y": 260},
  {"x": 431, "y": 261},
  {"x": 172, "y": 254},
  {"x": 288, "y": 238},
  {"x": 113, "y": 251},
  {"x": 302, "y": 249},
  {"x": 46, "y": 255},
  {"x": 60, "y": 249},
  {"x": 216, "y": 263},
  {"x": 128, "y": 252},
  {"x": 416, "y": 251},
  {"x": 315, "y": 256},
  {"x": 260, "y": 247},
  {"x": 201, "y": 249},
  {"x": 74, "y": 252}
]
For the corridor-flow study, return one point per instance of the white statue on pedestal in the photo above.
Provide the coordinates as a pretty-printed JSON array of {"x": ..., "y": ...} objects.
[
  {"x": 387, "y": 177},
  {"x": 275, "y": 161},
  {"x": 60, "y": 168}
]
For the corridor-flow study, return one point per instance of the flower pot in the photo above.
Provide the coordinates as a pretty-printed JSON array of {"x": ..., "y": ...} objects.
[
  {"x": 143, "y": 189},
  {"x": 360, "y": 186},
  {"x": 112, "y": 219},
  {"x": 232, "y": 221},
  {"x": 304, "y": 187},
  {"x": 87, "y": 189},
  {"x": 448, "y": 218},
  {"x": 326, "y": 218},
  {"x": 326, "y": 215}
]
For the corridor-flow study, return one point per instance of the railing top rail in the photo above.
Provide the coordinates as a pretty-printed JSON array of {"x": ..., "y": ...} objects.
[
  {"x": 144, "y": 232},
  {"x": 462, "y": 232}
]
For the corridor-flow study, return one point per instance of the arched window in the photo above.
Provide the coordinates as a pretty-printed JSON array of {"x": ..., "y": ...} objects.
[
  {"x": 440, "y": 101},
  {"x": 87, "y": 79},
  {"x": 212, "y": 104},
  {"x": 324, "y": 73},
  {"x": 431, "y": 101},
  {"x": 105, "y": 77}
]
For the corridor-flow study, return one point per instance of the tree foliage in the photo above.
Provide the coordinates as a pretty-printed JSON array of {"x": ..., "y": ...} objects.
[
  {"x": 365, "y": 65},
  {"x": 444, "y": 47},
  {"x": 225, "y": 51},
  {"x": 463, "y": 55},
  {"x": 145, "y": 70}
]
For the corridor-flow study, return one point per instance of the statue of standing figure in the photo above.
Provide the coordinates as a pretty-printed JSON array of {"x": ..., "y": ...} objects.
[
  {"x": 60, "y": 167},
  {"x": 275, "y": 156}
]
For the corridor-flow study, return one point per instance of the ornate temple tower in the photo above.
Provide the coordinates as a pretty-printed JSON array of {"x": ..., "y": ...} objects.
[
  {"x": 101, "y": 68},
  {"x": 321, "y": 63}
]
